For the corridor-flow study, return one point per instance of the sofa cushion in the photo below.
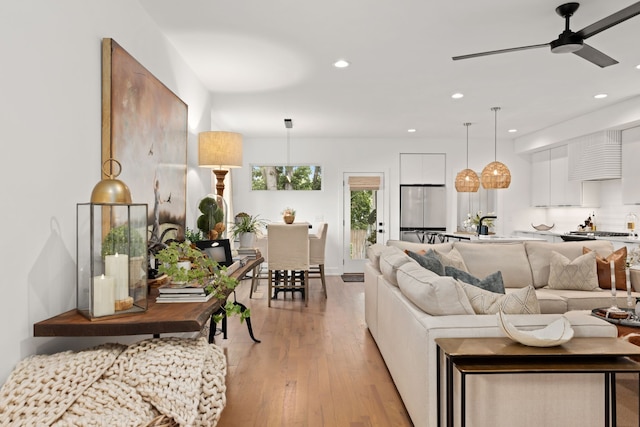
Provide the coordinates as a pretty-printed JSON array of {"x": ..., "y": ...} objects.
[
  {"x": 452, "y": 259},
  {"x": 483, "y": 259},
  {"x": 520, "y": 301},
  {"x": 435, "y": 295},
  {"x": 418, "y": 247},
  {"x": 551, "y": 302},
  {"x": 492, "y": 282},
  {"x": 390, "y": 259},
  {"x": 373, "y": 253},
  {"x": 428, "y": 260},
  {"x": 579, "y": 274},
  {"x": 539, "y": 254},
  {"x": 603, "y": 267}
]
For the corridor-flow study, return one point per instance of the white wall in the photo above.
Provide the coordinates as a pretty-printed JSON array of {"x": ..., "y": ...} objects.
[{"x": 50, "y": 120}]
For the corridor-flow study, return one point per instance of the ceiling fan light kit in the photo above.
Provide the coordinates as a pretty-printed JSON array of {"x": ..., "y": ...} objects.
[
  {"x": 467, "y": 180},
  {"x": 495, "y": 175},
  {"x": 573, "y": 42}
]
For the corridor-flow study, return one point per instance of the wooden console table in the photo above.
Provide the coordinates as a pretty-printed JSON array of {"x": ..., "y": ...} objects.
[
  {"x": 158, "y": 319},
  {"x": 483, "y": 356}
]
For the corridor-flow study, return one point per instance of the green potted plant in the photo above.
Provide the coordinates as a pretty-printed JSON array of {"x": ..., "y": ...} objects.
[
  {"x": 202, "y": 271},
  {"x": 247, "y": 228},
  {"x": 211, "y": 220}
]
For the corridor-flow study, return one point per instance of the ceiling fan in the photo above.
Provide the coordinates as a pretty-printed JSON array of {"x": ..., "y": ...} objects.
[{"x": 573, "y": 42}]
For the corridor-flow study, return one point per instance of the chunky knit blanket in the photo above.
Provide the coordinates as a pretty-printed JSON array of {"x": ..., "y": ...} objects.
[{"x": 180, "y": 381}]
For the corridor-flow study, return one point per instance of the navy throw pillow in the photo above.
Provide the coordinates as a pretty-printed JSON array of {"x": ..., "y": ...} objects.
[
  {"x": 492, "y": 282},
  {"x": 430, "y": 261}
]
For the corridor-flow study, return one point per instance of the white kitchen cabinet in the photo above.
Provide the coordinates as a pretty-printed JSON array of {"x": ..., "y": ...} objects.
[
  {"x": 556, "y": 189},
  {"x": 630, "y": 182},
  {"x": 540, "y": 179},
  {"x": 422, "y": 168}
]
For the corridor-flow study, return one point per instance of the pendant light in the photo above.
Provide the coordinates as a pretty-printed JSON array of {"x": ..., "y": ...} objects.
[
  {"x": 496, "y": 175},
  {"x": 467, "y": 180}
]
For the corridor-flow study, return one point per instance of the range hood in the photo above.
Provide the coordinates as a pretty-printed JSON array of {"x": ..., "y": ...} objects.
[{"x": 595, "y": 157}]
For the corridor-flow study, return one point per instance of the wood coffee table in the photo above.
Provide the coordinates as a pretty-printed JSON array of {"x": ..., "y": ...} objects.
[{"x": 481, "y": 356}]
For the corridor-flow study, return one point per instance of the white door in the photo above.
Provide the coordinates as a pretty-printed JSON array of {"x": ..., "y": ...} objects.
[{"x": 363, "y": 220}]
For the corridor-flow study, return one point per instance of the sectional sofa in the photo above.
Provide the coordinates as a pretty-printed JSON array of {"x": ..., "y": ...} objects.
[{"x": 408, "y": 306}]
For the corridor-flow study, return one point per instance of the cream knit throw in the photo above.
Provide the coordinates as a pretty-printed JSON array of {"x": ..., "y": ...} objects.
[{"x": 118, "y": 385}]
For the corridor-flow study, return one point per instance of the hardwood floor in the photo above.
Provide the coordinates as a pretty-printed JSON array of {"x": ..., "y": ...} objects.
[{"x": 316, "y": 365}]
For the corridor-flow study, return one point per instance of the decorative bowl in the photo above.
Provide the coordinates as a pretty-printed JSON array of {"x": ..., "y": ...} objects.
[
  {"x": 543, "y": 227},
  {"x": 555, "y": 333}
]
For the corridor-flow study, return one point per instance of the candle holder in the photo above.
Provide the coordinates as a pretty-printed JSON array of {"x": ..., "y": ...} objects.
[
  {"x": 630, "y": 224},
  {"x": 112, "y": 257}
]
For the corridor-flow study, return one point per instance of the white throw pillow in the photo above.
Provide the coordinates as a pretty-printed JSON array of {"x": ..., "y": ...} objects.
[
  {"x": 520, "y": 301},
  {"x": 433, "y": 294},
  {"x": 580, "y": 274}
]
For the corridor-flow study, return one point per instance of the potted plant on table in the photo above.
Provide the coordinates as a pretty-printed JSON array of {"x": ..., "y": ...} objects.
[
  {"x": 289, "y": 215},
  {"x": 201, "y": 271},
  {"x": 247, "y": 228}
]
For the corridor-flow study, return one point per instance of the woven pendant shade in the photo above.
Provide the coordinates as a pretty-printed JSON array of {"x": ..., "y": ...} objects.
[
  {"x": 496, "y": 175},
  {"x": 467, "y": 181}
]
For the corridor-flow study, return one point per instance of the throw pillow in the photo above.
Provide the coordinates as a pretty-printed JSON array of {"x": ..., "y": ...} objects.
[
  {"x": 579, "y": 274},
  {"x": 430, "y": 261},
  {"x": 437, "y": 296},
  {"x": 492, "y": 282},
  {"x": 603, "y": 266},
  {"x": 520, "y": 301},
  {"x": 452, "y": 259}
]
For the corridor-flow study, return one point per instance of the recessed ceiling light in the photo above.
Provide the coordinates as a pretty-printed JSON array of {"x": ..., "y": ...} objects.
[
  {"x": 457, "y": 95},
  {"x": 638, "y": 66},
  {"x": 600, "y": 96},
  {"x": 512, "y": 130},
  {"x": 341, "y": 63},
  {"x": 411, "y": 130}
]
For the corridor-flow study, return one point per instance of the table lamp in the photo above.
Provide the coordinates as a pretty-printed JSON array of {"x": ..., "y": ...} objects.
[{"x": 219, "y": 151}]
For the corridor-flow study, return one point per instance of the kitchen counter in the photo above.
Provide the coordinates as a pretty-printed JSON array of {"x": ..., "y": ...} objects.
[
  {"x": 492, "y": 238},
  {"x": 551, "y": 233}
]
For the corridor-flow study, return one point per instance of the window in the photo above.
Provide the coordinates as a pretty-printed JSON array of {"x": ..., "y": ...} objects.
[{"x": 286, "y": 177}]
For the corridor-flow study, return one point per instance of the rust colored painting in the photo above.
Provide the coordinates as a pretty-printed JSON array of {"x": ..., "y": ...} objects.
[{"x": 144, "y": 127}]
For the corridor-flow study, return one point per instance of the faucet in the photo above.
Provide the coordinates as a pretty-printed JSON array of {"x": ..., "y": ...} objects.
[{"x": 483, "y": 230}]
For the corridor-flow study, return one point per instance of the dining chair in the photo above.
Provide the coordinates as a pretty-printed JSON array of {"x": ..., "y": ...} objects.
[
  {"x": 288, "y": 247},
  {"x": 317, "y": 244}
]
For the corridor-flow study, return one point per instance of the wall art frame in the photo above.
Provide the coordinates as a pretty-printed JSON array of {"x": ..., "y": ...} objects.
[{"x": 144, "y": 127}]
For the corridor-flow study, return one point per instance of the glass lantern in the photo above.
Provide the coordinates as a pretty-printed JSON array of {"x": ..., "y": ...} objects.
[
  {"x": 112, "y": 259},
  {"x": 630, "y": 224}
]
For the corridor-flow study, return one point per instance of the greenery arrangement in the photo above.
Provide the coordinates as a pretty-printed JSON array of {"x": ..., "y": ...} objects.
[
  {"x": 117, "y": 241},
  {"x": 248, "y": 224},
  {"x": 204, "y": 271},
  {"x": 289, "y": 211},
  {"x": 211, "y": 220},
  {"x": 193, "y": 235}
]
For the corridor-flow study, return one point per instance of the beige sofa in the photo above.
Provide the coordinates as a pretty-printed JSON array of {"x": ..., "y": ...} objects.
[{"x": 405, "y": 333}]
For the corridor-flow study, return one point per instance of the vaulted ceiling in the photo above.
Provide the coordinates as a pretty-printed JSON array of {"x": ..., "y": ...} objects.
[{"x": 264, "y": 61}]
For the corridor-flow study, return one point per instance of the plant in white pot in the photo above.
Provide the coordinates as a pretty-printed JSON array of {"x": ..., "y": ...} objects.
[{"x": 247, "y": 229}]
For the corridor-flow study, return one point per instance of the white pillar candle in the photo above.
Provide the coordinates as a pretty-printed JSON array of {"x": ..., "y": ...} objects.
[
  {"x": 103, "y": 296},
  {"x": 628, "y": 279},
  {"x": 612, "y": 267},
  {"x": 117, "y": 266}
]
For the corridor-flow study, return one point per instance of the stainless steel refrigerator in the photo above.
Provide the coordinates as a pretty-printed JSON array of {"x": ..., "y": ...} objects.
[{"x": 423, "y": 212}]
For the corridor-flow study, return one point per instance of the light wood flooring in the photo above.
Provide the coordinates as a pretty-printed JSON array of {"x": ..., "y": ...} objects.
[
  {"x": 319, "y": 366},
  {"x": 316, "y": 365}
]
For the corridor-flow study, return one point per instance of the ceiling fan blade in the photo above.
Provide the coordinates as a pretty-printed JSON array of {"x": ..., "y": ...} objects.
[
  {"x": 610, "y": 21},
  {"x": 493, "y": 52},
  {"x": 594, "y": 55}
]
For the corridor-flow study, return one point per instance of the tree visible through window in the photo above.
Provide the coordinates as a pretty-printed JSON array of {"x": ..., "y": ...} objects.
[{"x": 286, "y": 178}]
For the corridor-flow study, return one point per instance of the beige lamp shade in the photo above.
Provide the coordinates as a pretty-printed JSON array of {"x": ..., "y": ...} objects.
[
  {"x": 496, "y": 175},
  {"x": 467, "y": 181},
  {"x": 218, "y": 149}
]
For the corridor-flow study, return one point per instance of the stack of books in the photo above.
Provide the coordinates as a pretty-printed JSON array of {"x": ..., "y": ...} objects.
[
  {"x": 182, "y": 293},
  {"x": 251, "y": 253}
]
